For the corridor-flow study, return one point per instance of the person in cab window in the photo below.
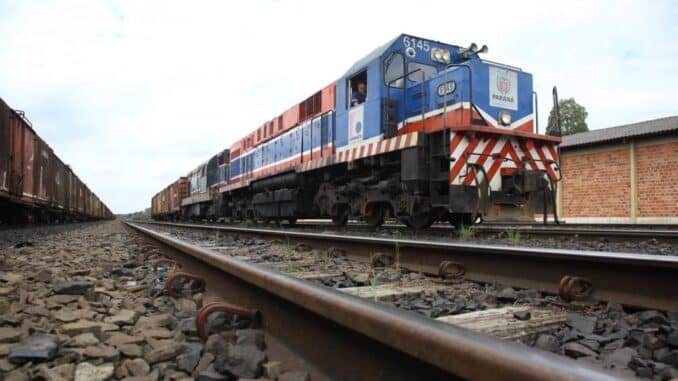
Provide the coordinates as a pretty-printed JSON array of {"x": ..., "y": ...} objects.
[{"x": 358, "y": 96}]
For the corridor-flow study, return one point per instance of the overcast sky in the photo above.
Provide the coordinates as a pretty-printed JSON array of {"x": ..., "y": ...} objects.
[{"x": 133, "y": 94}]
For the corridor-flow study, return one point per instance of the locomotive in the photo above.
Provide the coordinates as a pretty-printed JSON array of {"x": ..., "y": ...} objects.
[{"x": 417, "y": 130}]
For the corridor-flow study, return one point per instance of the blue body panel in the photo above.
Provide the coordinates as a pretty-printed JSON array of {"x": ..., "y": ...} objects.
[
  {"x": 354, "y": 125},
  {"x": 425, "y": 99},
  {"x": 310, "y": 136},
  {"x": 479, "y": 84}
]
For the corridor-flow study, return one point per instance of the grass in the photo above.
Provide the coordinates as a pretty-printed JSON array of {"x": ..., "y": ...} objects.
[
  {"x": 513, "y": 236},
  {"x": 465, "y": 233},
  {"x": 327, "y": 259},
  {"x": 292, "y": 266},
  {"x": 374, "y": 282}
]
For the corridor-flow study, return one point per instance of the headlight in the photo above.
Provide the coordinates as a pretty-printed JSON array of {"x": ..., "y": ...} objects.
[
  {"x": 504, "y": 118},
  {"x": 440, "y": 55},
  {"x": 446, "y": 56}
]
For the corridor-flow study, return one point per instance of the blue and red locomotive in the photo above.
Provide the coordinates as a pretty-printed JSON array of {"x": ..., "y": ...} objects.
[{"x": 417, "y": 130}]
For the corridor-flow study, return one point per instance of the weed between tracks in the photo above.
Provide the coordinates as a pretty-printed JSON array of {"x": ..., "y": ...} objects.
[
  {"x": 288, "y": 254},
  {"x": 374, "y": 282},
  {"x": 513, "y": 236},
  {"x": 465, "y": 233},
  {"x": 397, "y": 236}
]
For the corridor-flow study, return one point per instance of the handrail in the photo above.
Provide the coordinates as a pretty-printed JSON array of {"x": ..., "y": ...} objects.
[
  {"x": 556, "y": 108},
  {"x": 470, "y": 93},
  {"x": 388, "y": 95},
  {"x": 536, "y": 111}
]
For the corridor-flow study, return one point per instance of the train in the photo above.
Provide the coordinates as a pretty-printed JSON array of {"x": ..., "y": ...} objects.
[
  {"x": 35, "y": 184},
  {"x": 418, "y": 130}
]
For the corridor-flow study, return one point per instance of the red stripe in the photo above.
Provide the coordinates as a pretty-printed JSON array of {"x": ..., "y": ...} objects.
[
  {"x": 497, "y": 163},
  {"x": 528, "y": 154},
  {"x": 455, "y": 142},
  {"x": 369, "y": 149},
  {"x": 525, "y": 127},
  {"x": 554, "y": 155},
  {"x": 543, "y": 158},
  {"x": 362, "y": 151},
  {"x": 456, "y": 168},
  {"x": 397, "y": 142},
  {"x": 482, "y": 159}
]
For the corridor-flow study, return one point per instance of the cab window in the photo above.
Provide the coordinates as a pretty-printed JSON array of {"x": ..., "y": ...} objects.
[
  {"x": 394, "y": 69},
  {"x": 357, "y": 89}
]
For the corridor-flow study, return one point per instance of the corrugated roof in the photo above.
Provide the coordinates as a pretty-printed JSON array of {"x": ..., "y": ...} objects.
[{"x": 650, "y": 127}]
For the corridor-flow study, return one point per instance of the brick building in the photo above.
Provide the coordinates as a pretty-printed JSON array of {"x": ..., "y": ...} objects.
[{"x": 625, "y": 174}]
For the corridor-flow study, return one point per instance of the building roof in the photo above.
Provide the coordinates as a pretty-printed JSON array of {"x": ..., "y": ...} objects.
[{"x": 661, "y": 126}]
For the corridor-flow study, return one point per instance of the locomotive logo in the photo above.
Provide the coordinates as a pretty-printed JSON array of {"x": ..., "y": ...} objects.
[
  {"x": 355, "y": 125},
  {"x": 503, "y": 84}
]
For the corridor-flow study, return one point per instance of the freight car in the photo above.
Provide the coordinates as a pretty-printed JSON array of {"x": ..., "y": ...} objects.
[
  {"x": 418, "y": 130},
  {"x": 166, "y": 205},
  {"x": 35, "y": 185}
]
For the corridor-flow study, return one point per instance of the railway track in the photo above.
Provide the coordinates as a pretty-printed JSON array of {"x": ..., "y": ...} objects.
[
  {"x": 664, "y": 233},
  {"x": 669, "y": 233},
  {"x": 605, "y": 276},
  {"x": 631, "y": 279}
]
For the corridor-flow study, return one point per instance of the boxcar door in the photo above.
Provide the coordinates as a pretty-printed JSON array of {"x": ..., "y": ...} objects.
[
  {"x": 5, "y": 153},
  {"x": 16, "y": 149}
]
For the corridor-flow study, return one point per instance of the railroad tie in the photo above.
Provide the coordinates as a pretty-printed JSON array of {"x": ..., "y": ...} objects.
[
  {"x": 385, "y": 291},
  {"x": 501, "y": 322},
  {"x": 313, "y": 275}
]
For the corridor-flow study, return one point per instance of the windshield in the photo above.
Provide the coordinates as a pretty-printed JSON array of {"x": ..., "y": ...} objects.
[{"x": 427, "y": 70}]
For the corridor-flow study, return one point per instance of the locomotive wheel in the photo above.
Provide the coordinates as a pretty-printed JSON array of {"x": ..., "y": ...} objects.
[
  {"x": 459, "y": 220},
  {"x": 375, "y": 217},
  {"x": 341, "y": 218},
  {"x": 421, "y": 221}
]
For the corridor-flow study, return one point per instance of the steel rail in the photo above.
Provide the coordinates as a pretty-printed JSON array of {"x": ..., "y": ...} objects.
[
  {"x": 382, "y": 342},
  {"x": 535, "y": 229},
  {"x": 583, "y": 231},
  {"x": 641, "y": 280},
  {"x": 669, "y": 232}
]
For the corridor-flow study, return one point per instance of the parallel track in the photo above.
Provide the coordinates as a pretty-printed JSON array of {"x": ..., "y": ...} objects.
[
  {"x": 667, "y": 233},
  {"x": 346, "y": 337},
  {"x": 641, "y": 280}
]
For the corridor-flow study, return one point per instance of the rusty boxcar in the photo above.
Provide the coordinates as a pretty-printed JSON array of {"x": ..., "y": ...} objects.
[
  {"x": 35, "y": 185},
  {"x": 166, "y": 204}
]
